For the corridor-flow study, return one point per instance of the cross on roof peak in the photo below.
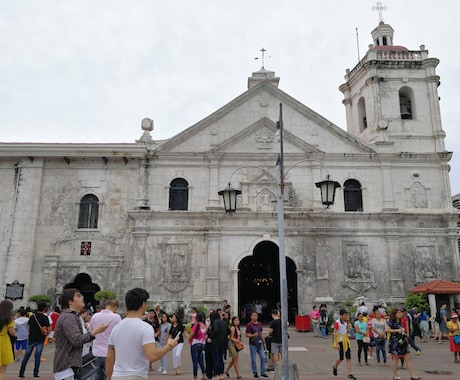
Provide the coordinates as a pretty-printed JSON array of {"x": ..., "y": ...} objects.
[{"x": 263, "y": 50}]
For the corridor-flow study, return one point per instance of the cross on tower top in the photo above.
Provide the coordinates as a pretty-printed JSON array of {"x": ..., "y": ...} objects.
[
  {"x": 263, "y": 50},
  {"x": 379, "y": 7}
]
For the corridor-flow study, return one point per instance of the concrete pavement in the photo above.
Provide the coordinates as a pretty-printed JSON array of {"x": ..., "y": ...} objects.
[{"x": 313, "y": 356}]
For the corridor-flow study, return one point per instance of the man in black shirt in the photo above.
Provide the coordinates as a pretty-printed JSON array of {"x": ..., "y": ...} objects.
[
  {"x": 36, "y": 338},
  {"x": 276, "y": 335}
]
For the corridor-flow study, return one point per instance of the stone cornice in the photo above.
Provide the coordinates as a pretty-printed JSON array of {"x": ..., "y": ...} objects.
[{"x": 71, "y": 150}]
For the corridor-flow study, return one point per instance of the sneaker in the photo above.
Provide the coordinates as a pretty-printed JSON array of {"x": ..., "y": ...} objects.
[
  {"x": 160, "y": 369},
  {"x": 36, "y": 377},
  {"x": 264, "y": 375},
  {"x": 164, "y": 372},
  {"x": 21, "y": 376},
  {"x": 418, "y": 352},
  {"x": 256, "y": 376},
  {"x": 334, "y": 370},
  {"x": 351, "y": 377}
]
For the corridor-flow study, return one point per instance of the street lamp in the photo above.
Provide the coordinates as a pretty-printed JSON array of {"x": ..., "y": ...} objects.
[{"x": 327, "y": 188}]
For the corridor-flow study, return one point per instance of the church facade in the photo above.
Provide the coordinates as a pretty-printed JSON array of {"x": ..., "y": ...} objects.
[{"x": 148, "y": 214}]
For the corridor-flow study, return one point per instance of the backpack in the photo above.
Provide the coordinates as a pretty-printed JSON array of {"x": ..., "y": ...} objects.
[{"x": 437, "y": 318}]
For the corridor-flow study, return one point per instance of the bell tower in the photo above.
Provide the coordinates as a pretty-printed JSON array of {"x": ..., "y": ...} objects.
[{"x": 391, "y": 96}]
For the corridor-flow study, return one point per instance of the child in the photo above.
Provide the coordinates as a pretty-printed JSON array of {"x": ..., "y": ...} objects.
[{"x": 342, "y": 342}]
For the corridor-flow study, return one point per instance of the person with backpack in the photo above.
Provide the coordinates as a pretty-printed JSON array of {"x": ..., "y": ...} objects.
[{"x": 442, "y": 321}]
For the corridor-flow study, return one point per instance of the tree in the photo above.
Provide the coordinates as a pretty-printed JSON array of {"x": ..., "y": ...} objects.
[
  {"x": 40, "y": 298},
  {"x": 104, "y": 295},
  {"x": 417, "y": 299}
]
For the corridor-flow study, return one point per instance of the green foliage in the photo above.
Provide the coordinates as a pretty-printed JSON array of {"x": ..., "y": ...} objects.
[
  {"x": 40, "y": 298},
  {"x": 417, "y": 299},
  {"x": 180, "y": 312},
  {"x": 104, "y": 295},
  {"x": 202, "y": 309}
]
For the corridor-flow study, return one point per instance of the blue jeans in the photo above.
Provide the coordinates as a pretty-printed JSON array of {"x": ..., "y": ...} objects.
[
  {"x": 164, "y": 359},
  {"x": 260, "y": 351},
  {"x": 197, "y": 359},
  {"x": 380, "y": 348},
  {"x": 100, "y": 373},
  {"x": 38, "y": 354}
]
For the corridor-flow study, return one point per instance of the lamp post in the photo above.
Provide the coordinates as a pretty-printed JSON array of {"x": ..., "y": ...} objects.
[{"x": 327, "y": 188}]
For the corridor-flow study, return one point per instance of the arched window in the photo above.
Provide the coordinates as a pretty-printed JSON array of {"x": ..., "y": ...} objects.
[
  {"x": 178, "y": 194},
  {"x": 362, "y": 114},
  {"x": 89, "y": 212},
  {"x": 352, "y": 195},
  {"x": 406, "y": 104}
]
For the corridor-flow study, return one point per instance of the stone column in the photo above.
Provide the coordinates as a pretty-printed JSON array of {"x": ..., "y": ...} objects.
[
  {"x": 388, "y": 198},
  {"x": 138, "y": 259},
  {"x": 212, "y": 269},
  {"x": 143, "y": 184},
  {"x": 395, "y": 266},
  {"x": 213, "y": 200}
]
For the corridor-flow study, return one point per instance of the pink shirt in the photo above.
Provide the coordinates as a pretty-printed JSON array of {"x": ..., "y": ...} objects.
[
  {"x": 314, "y": 314},
  {"x": 100, "y": 344}
]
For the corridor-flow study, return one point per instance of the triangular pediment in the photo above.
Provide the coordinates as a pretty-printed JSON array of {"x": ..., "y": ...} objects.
[
  {"x": 253, "y": 115},
  {"x": 261, "y": 136}
]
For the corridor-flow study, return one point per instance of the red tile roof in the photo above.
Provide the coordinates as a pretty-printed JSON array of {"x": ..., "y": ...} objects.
[{"x": 437, "y": 287}]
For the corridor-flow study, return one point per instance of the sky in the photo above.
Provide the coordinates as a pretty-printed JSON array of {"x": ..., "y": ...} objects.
[{"x": 89, "y": 71}]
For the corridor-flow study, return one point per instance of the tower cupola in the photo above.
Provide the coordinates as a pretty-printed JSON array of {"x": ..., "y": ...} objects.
[{"x": 382, "y": 35}]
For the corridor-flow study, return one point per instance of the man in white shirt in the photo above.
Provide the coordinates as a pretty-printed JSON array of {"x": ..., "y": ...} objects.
[
  {"x": 107, "y": 317},
  {"x": 132, "y": 345}
]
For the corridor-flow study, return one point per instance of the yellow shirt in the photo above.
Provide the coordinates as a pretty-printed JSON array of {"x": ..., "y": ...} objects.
[{"x": 454, "y": 328}]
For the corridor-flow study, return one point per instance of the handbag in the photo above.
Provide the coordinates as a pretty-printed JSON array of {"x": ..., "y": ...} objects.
[
  {"x": 366, "y": 339},
  {"x": 457, "y": 339},
  {"x": 87, "y": 369},
  {"x": 239, "y": 346},
  {"x": 43, "y": 329}
]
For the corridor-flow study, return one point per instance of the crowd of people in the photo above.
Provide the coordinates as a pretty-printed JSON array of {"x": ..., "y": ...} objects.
[
  {"x": 374, "y": 331},
  {"x": 128, "y": 347}
]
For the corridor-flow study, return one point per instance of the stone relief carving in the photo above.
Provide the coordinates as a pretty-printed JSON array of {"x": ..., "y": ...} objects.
[
  {"x": 175, "y": 273},
  {"x": 425, "y": 263},
  {"x": 294, "y": 200},
  {"x": 356, "y": 262},
  {"x": 264, "y": 200},
  {"x": 264, "y": 137},
  {"x": 418, "y": 195}
]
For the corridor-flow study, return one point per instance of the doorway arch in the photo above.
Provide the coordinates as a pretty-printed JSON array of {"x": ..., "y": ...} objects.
[
  {"x": 86, "y": 286},
  {"x": 259, "y": 280}
]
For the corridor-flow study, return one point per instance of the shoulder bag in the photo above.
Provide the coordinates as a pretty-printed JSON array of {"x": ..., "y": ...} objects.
[
  {"x": 43, "y": 329},
  {"x": 88, "y": 368}
]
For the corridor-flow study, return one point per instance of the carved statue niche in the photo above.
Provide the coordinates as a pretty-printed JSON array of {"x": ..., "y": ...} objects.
[
  {"x": 175, "y": 268},
  {"x": 425, "y": 263},
  {"x": 265, "y": 200},
  {"x": 356, "y": 262},
  {"x": 418, "y": 196}
]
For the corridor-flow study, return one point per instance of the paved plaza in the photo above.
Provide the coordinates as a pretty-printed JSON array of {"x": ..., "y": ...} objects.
[{"x": 313, "y": 356}]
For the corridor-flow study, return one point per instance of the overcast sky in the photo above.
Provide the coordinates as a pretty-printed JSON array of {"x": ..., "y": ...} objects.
[{"x": 90, "y": 70}]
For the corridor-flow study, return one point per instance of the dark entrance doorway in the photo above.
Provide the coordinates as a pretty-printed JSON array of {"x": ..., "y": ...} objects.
[
  {"x": 87, "y": 288},
  {"x": 259, "y": 280}
]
